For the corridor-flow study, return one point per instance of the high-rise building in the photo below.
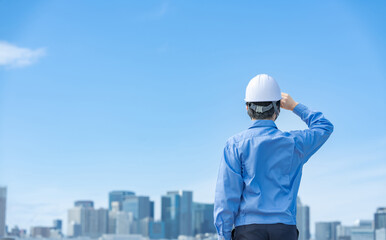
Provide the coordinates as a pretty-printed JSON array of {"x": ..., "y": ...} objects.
[
  {"x": 74, "y": 219},
  {"x": 139, "y": 205},
  {"x": 102, "y": 221},
  {"x": 380, "y": 218},
  {"x": 203, "y": 218},
  {"x": 40, "y": 232},
  {"x": 17, "y": 232},
  {"x": 152, "y": 229},
  {"x": 361, "y": 223},
  {"x": 125, "y": 223},
  {"x": 326, "y": 230},
  {"x": 118, "y": 196},
  {"x": 170, "y": 214},
  {"x": 186, "y": 213},
  {"x": 57, "y": 225},
  {"x": 3, "y": 201},
  {"x": 152, "y": 209},
  {"x": 362, "y": 234},
  {"x": 343, "y": 232},
  {"x": 303, "y": 220},
  {"x": 84, "y": 203},
  {"x": 92, "y": 222},
  {"x": 380, "y": 234},
  {"x": 157, "y": 230},
  {"x": 177, "y": 213},
  {"x": 362, "y": 230}
]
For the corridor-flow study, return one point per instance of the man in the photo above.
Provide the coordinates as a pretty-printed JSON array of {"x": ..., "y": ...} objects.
[{"x": 261, "y": 167}]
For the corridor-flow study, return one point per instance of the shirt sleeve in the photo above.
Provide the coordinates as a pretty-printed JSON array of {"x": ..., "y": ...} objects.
[
  {"x": 229, "y": 189},
  {"x": 319, "y": 130}
]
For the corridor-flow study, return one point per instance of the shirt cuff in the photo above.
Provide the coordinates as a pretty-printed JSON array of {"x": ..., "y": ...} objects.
[{"x": 299, "y": 109}]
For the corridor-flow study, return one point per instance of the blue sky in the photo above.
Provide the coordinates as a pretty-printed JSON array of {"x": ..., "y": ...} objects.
[{"x": 99, "y": 95}]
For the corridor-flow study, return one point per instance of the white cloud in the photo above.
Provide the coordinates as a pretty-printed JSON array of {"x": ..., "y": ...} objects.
[{"x": 14, "y": 56}]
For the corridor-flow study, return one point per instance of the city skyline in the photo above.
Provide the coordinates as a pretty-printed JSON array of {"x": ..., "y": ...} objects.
[
  {"x": 359, "y": 229},
  {"x": 142, "y": 96}
]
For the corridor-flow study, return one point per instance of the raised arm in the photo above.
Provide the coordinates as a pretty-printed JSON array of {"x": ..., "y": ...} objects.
[
  {"x": 319, "y": 128},
  {"x": 228, "y": 192}
]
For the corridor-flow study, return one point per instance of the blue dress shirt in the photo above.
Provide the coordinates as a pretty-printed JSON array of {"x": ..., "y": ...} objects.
[{"x": 260, "y": 172}]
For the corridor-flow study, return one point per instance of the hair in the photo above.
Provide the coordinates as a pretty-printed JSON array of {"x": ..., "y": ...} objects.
[{"x": 265, "y": 115}]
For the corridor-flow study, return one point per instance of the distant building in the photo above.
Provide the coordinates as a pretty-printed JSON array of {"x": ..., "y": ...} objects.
[
  {"x": 3, "y": 201},
  {"x": 57, "y": 224},
  {"x": 380, "y": 234},
  {"x": 170, "y": 214},
  {"x": 118, "y": 196},
  {"x": 17, "y": 232},
  {"x": 361, "y": 230},
  {"x": 362, "y": 234},
  {"x": 380, "y": 218},
  {"x": 40, "y": 232},
  {"x": 92, "y": 222},
  {"x": 203, "y": 218},
  {"x": 102, "y": 221},
  {"x": 74, "y": 229},
  {"x": 74, "y": 219},
  {"x": 152, "y": 209},
  {"x": 360, "y": 223},
  {"x": 139, "y": 205},
  {"x": 344, "y": 238},
  {"x": 84, "y": 204},
  {"x": 303, "y": 220},
  {"x": 186, "y": 213},
  {"x": 156, "y": 230},
  {"x": 343, "y": 232},
  {"x": 123, "y": 237},
  {"x": 125, "y": 223},
  {"x": 326, "y": 230}
]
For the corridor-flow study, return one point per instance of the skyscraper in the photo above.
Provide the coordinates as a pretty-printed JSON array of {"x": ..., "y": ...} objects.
[
  {"x": 102, "y": 221},
  {"x": 3, "y": 201},
  {"x": 57, "y": 225},
  {"x": 303, "y": 220},
  {"x": 152, "y": 229},
  {"x": 152, "y": 209},
  {"x": 170, "y": 214},
  {"x": 40, "y": 232},
  {"x": 140, "y": 207},
  {"x": 326, "y": 230},
  {"x": 380, "y": 234},
  {"x": 74, "y": 219},
  {"x": 380, "y": 218},
  {"x": 203, "y": 218},
  {"x": 125, "y": 223},
  {"x": 92, "y": 222},
  {"x": 177, "y": 213},
  {"x": 186, "y": 213},
  {"x": 362, "y": 230},
  {"x": 118, "y": 196},
  {"x": 84, "y": 203}
]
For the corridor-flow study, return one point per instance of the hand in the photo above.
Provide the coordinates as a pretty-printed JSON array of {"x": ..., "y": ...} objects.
[{"x": 287, "y": 102}]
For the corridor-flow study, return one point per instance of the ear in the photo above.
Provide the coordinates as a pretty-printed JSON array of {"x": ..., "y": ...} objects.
[{"x": 246, "y": 107}]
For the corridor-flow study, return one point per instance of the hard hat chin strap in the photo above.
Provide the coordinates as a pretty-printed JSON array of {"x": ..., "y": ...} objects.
[{"x": 276, "y": 110}]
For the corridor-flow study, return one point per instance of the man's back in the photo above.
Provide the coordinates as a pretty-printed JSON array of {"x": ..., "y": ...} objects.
[{"x": 261, "y": 169}]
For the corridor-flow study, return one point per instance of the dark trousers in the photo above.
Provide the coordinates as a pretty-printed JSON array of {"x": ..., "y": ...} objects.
[{"x": 276, "y": 231}]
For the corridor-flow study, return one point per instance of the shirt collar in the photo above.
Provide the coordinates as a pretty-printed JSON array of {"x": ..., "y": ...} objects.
[{"x": 263, "y": 123}]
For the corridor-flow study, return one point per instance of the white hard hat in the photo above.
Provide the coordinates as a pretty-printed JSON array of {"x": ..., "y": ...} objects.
[{"x": 262, "y": 88}]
